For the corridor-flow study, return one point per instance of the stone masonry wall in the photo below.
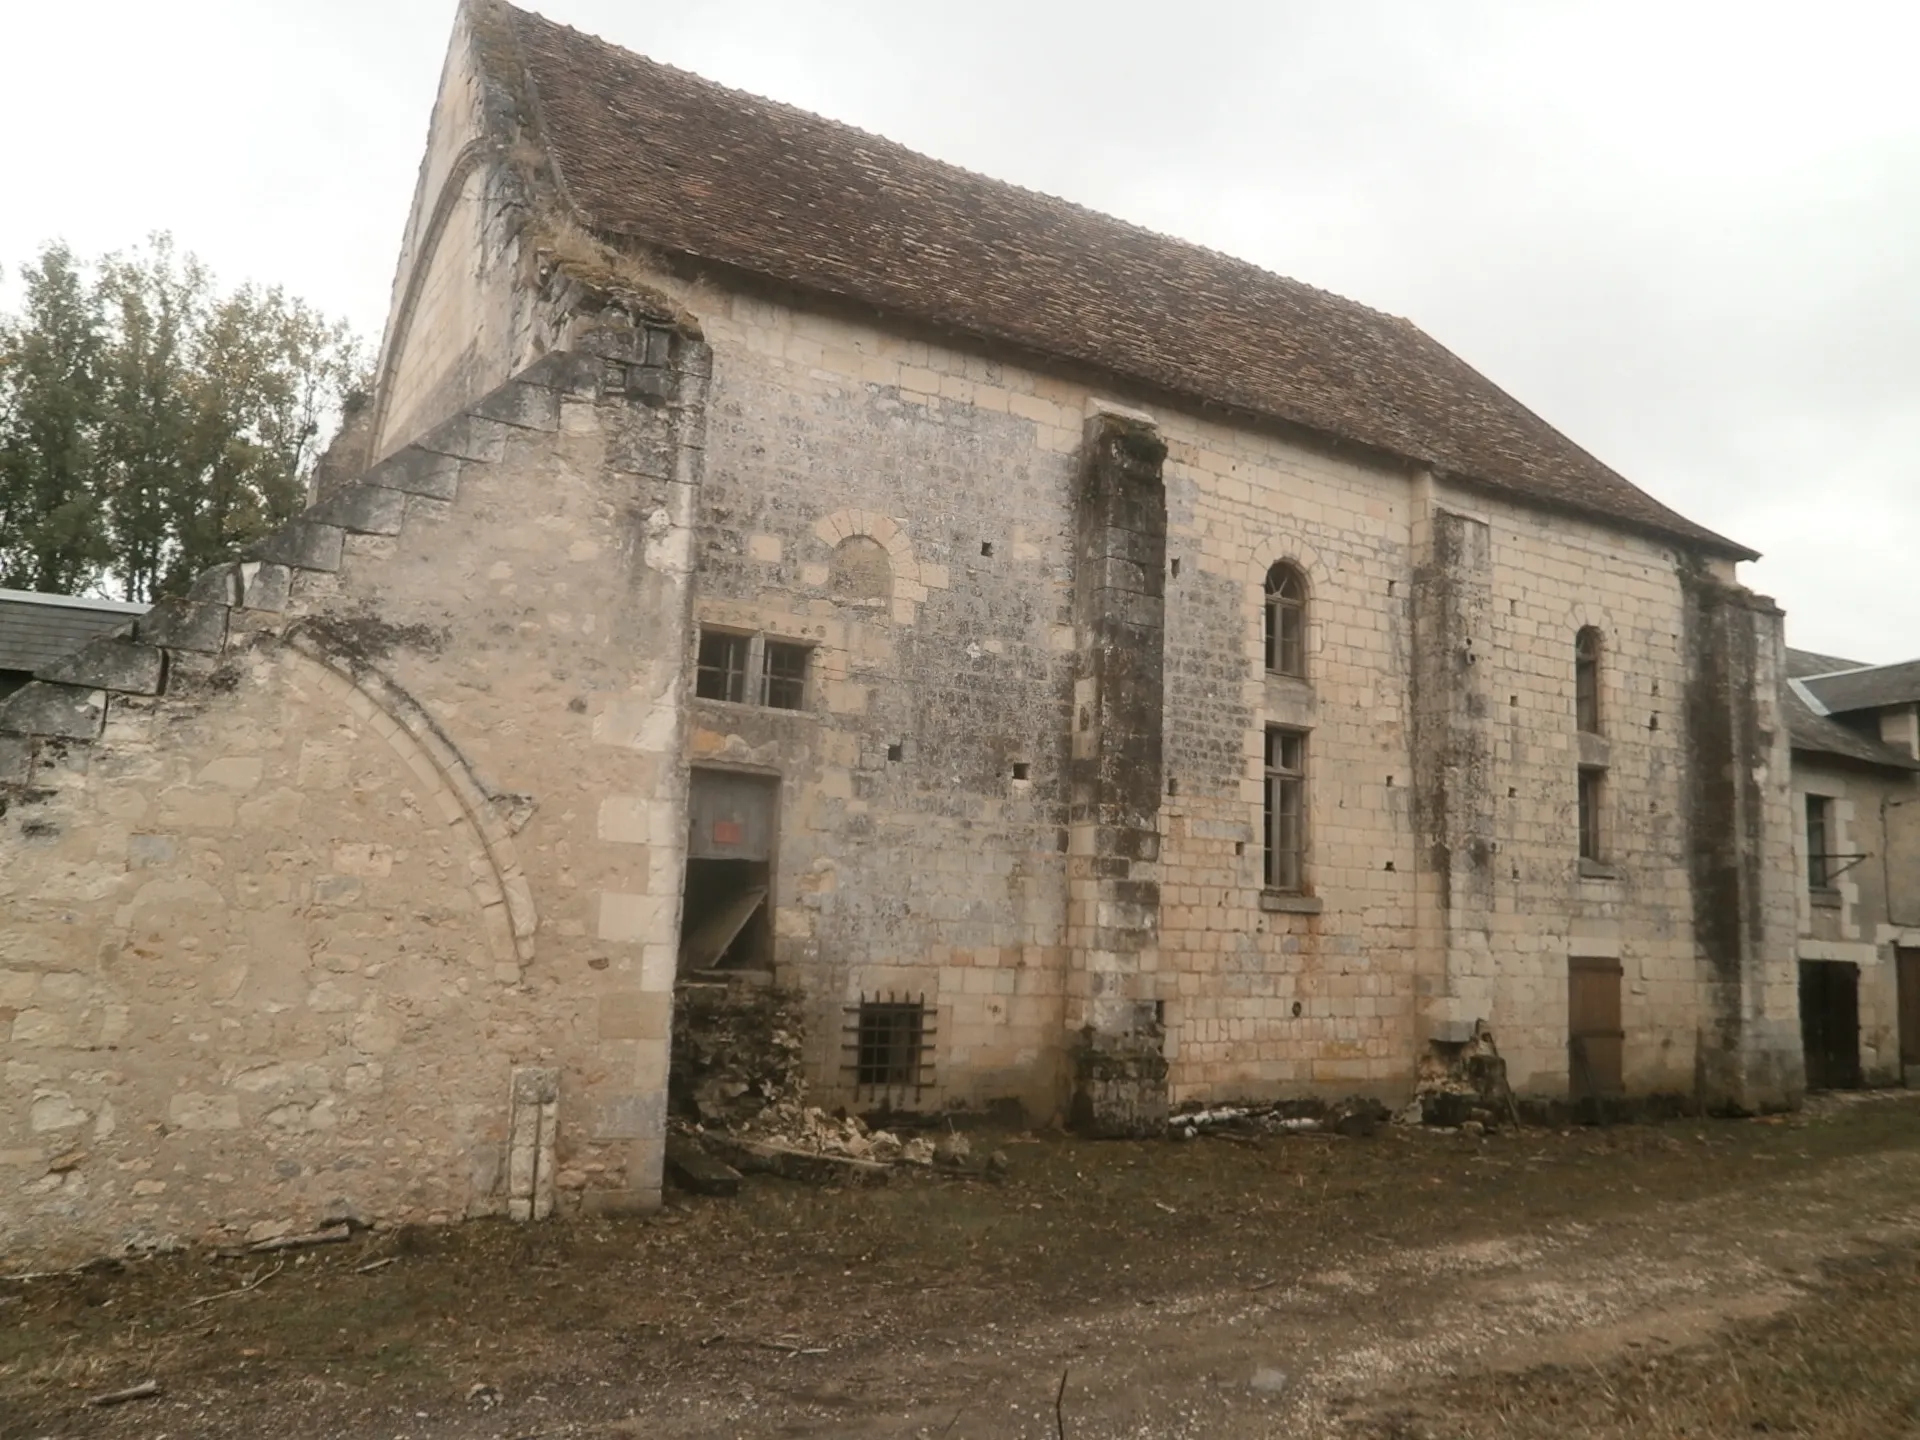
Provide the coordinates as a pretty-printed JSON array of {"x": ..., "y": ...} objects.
[
  {"x": 1856, "y": 927},
  {"x": 352, "y": 884},
  {"x": 461, "y": 319},
  {"x": 938, "y": 872}
]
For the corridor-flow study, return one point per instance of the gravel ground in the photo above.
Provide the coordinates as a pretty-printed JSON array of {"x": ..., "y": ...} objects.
[{"x": 1696, "y": 1278}]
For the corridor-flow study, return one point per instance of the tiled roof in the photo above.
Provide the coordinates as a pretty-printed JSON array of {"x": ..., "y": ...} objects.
[
  {"x": 36, "y": 629},
  {"x": 690, "y": 168},
  {"x": 1868, "y": 687}
]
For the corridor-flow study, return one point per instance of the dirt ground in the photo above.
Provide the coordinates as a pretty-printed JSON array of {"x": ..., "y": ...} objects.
[{"x": 1700, "y": 1278}]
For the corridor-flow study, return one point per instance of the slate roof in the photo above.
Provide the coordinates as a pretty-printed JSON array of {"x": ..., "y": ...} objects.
[
  {"x": 36, "y": 629},
  {"x": 1802, "y": 663},
  {"x": 1811, "y": 731},
  {"x": 1868, "y": 687},
  {"x": 690, "y": 168}
]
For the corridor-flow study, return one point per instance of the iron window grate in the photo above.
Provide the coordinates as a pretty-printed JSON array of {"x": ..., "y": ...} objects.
[{"x": 889, "y": 1046}]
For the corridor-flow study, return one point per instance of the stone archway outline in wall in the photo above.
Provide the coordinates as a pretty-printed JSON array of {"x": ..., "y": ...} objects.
[
  {"x": 452, "y": 190},
  {"x": 912, "y": 580},
  {"x": 461, "y": 795}
]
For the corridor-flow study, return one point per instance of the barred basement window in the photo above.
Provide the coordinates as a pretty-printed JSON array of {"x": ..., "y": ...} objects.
[
  {"x": 721, "y": 671},
  {"x": 1286, "y": 811},
  {"x": 786, "y": 676},
  {"x": 890, "y": 1045}
]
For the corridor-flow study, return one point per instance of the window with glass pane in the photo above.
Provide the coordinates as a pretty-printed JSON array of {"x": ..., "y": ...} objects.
[
  {"x": 1286, "y": 810},
  {"x": 786, "y": 675},
  {"x": 1592, "y": 794},
  {"x": 1286, "y": 621},
  {"x": 1819, "y": 842},
  {"x": 721, "y": 670},
  {"x": 1586, "y": 681}
]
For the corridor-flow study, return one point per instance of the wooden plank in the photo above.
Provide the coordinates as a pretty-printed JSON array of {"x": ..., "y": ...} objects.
[
  {"x": 705, "y": 946},
  {"x": 693, "y": 1169}
]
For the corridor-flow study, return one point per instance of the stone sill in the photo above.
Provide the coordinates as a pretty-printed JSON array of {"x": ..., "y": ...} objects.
[
  {"x": 1824, "y": 899},
  {"x": 748, "y": 707},
  {"x": 1284, "y": 903},
  {"x": 1598, "y": 870}
]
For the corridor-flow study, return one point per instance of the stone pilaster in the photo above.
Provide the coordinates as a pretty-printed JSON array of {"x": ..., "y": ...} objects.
[
  {"x": 1740, "y": 828},
  {"x": 1115, "y": 778},
  {"x": 1453, "y": 769}
]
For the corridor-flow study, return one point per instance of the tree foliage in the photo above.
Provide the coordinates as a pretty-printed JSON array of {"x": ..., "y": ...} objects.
[{"x": 152, "y": 424}]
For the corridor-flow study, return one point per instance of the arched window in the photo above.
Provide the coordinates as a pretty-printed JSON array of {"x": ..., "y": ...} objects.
[
  {"x": 1286, "y": 621},
  {"x": 1586, "y": 680}
]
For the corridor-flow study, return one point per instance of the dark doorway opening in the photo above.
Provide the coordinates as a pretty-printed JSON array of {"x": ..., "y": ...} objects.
[
  {"x": 1908, "y": 976},
  {"x": 1595, "y": 1038},
  {"x": 726, "y": 919},
  {"x": 1830, "y": 1023},
  {"x": 723, "y": 919}
]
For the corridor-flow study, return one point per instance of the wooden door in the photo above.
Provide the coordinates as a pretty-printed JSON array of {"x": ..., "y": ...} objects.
[
  {"x": 730, "y": 816},
  {"x": 1830, "y": 1023},
  {"x": 1595, "y": 1038},
  {"x": 1909, "y": 979}
]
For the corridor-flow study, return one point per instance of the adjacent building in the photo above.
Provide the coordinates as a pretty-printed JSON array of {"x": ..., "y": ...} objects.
[
  {"x": 39, "y": 630},
  {"x": 1856, "y": 786},
  {"x": 1095, "y": 672}
]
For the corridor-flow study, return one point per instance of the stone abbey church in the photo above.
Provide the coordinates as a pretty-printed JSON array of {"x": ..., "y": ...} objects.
[{"x": 1094, "y": 672}]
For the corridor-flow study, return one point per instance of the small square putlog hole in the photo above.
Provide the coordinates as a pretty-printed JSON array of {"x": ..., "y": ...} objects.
[{"x": 1021, "y": 770}]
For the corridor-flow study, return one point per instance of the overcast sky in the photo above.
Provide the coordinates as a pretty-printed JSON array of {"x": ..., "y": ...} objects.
[{"x": 1686, "y": 233}]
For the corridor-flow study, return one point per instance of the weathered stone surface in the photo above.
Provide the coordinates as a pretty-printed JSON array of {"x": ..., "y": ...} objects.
[
  {"x": 219, "y": 585},
  {"x": 303, "y": 854},
  {"x": 524, "y": 406},
  {"x": 16, "y": 759},
  {"x": 264, "y": 585},
  {"x": 70, "y": 712},
  {"x": 186, "y": 625},
  {"x": 302, "y": 544},
  {"x": 112, "y": 662},
  {"x": 362, "y": 509},
  {"x": 466, "y": 437},
  {"x": 415, "y": 471}
]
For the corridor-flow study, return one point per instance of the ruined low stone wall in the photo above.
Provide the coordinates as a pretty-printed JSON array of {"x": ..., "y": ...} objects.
[{"x": 350, "y": 885}]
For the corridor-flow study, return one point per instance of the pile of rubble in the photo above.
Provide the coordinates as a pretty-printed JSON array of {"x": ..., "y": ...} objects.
[
  {"x": 809, "y": 1128},
  {"x": 1463, "y": 1085},
  {"x": 736, "y": 1049},
  {"x": 1358, "y": 1116},
  {"x": 739, "y": 1098}
]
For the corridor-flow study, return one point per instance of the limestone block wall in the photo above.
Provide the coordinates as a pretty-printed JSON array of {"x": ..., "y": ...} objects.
[
  {"x": 920, "y": 548},
  {"x": 460, "y": 322},
  {"x": 937, "y": 872},
  {"x": 1859, "y": 929},
  {"x": 351, "y": 885},
  {"x": 1343, "y": 994}
]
